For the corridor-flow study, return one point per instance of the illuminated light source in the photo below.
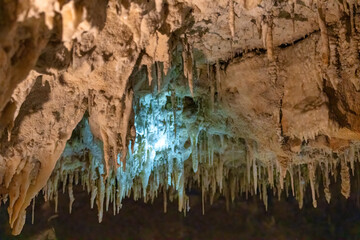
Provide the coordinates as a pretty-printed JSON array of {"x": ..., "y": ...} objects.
[{"x": 161, "y": 143}]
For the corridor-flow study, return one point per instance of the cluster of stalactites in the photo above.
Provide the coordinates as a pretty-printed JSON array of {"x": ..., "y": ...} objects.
[
  {"x": 215, "y": 176},
  {"x": 213, "y": 173},
  {"x": 339, "y": 41},
  {"x": 341, "y": 48},
  {"x": 109, "y": 192}
]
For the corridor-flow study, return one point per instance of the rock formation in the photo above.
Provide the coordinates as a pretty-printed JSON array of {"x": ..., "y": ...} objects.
[{"x": 132, "y": 98}]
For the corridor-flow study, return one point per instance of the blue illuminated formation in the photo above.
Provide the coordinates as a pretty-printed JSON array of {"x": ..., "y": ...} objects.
[
  {"x": 158, "y": 155},
  {"x": 179, "y": 144}
]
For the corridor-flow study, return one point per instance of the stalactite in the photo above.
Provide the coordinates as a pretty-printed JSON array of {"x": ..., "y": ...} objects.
[
  {"x": 292, "y": 14},
  {"x": 324, "y": 34},
  {"x": 311, "y": 169},
  {"x": 218, "y": 79},
  {"x": 345, "y": 179},
  {"x": 33, "y": 211},
  {"x": 351, "y": 157},
  {"x": 255, "y": 175},
  {"x": 291, "y": 171},
  {"x": 282, "y": 173},
  {"x": 232, "y": 187},
  {"x": 150, "y": 73},
  {"x": 270, "y": 171},
  {"x": 265, "y": 195},
  {"x": 248, "y": 165},
  {"x": 174, "y": 107},
  {"x": 301, "y": 189},
  {"x": 326, "y": 182},
  {"x": 93, "y": 194},
  {"x": 159, "y": 5},
  {"x": 165, "y": 199},
  {"x": 159, "y": 76},
  {"x": 232, "y": 19},
  {"x": 187, "y": 56},
  {"x": 269, "y": 39},
  {"x": 212, "y": 86},
  {"x": 203, "y": 199},
  {"x": 107, "y": 194},
  {"x": 334, "y": 61},
  {"x": 71, "y": 193}
]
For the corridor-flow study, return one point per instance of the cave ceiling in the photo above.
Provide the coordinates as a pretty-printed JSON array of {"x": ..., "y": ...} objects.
[{"x": 133, "y": 98}]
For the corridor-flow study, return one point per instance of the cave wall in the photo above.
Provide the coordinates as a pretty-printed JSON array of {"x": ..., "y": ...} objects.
[{"x": 265, "y": 87}]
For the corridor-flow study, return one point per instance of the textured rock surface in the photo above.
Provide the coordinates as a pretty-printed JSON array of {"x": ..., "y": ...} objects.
[{"x": 235, "y": 96}]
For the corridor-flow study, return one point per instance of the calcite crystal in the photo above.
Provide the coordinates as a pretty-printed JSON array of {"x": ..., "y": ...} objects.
[{"x": 133, "y": 98}]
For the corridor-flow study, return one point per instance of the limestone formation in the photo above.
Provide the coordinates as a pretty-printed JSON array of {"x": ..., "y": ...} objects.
[{"x": 133, "y": 98}]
